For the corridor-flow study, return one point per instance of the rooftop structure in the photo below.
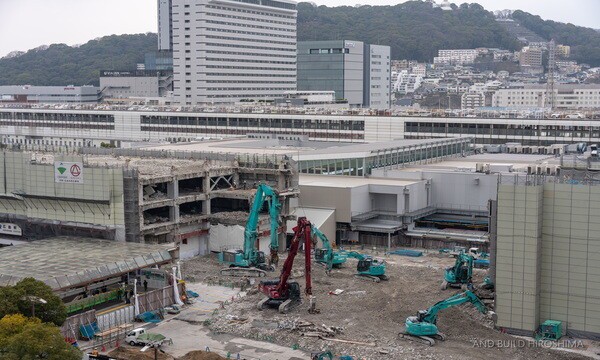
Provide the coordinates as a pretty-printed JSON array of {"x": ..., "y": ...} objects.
[
  {"x": 147, "y": 196},
  {"x": 49, "y": 94},
  {"x": 137, "y": 83},
  {"x": 76, "y": 262}
]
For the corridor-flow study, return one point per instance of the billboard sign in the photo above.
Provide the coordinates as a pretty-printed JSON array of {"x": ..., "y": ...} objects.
[{"x": 68, "y": 172}]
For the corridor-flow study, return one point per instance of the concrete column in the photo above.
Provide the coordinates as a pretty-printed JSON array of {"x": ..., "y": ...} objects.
[
  {"x": 389, "y": 241},
  {"x": 206, "y": 188},
  {"x": 173, "y": 189},
  {"x": 174, "y": 213}
]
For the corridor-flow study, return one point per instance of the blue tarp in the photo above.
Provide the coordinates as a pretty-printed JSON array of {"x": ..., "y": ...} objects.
[
  {"x": 481, "y": 263},
  {"x": 88, "y": 331},
  {"x": 149, "y": 316},
  {"x": 191, "y": 294},
  {"x": 411, "y": 253}
]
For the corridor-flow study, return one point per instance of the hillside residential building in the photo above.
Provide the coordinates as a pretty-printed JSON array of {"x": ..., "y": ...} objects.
[
  {"x": 455, "y": 57},
  {"x": 472, "y": 100},
  {"x": 407, "y": 83},
  {"x": 226, "y": 51},
  {"x": 357, "y": 72},
  {"x": 530, "y": 60}
]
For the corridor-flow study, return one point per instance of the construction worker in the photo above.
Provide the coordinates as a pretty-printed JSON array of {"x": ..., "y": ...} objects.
[
  {"x": 95, "y": 352},
  {"x": 145, "y": 285}
]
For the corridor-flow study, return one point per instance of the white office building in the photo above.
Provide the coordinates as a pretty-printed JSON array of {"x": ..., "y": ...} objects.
[
  {"x": 567, "y": 97},
  {"x": 165, "y": 25},
  {"x": 225, "y": 51}
]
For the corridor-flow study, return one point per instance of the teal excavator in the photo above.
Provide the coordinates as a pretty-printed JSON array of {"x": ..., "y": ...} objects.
[
  {"x": 326, "y": 255},
  {"x": 250, "y": 261},
  {"x": 423, "y": 327},
  {"x": 461, "y": 274},
  {"x": 368, "y": 267}
]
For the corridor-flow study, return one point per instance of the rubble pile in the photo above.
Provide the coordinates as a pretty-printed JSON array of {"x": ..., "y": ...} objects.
[{"x": 364, "y": 320}]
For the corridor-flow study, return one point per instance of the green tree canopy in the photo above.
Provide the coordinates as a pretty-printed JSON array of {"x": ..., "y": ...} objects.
[
  {"x": 24, "y": 338},
  {"x": 18, "y": 300}
]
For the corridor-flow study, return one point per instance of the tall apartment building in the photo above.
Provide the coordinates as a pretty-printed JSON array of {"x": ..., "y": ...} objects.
[
  {"x": 165, "y": 25},
  {"x": 472, "y": 100},
  {"x": 225, "y": 51},
  {"x": 530, "y": 59},
  {"x": 455, "y": 57},
  {"x": 357, "y": 72}
]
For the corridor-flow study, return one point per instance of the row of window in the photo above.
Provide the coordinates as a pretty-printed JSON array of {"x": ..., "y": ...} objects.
[
  {"x": 43, "y": 142},
  {"x": 251, "y": 47},
  {"x": 311, "y": 134},
  {"x": 251, "y": 26},
  {"x": 239, "y": 39},
  {"x": 100, "y": 118},
  {"x": 61, "y": 125},
  {"x": 255, "y": 12},
  {"x": 249, "y": 33},
  {"x": 503, "y": 129},
  {"x": 250, "y": 61},
  {"x": 292, "y": 124},
  {"x": 250, "y": 68},
  {"x": 248, "y": 82},
  {"x": 255, "y": 19},
  {"x": 249, "y": 54}
]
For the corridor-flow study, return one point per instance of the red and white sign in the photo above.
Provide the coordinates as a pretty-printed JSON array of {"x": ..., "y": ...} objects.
[{"x": 68, "y": 172}]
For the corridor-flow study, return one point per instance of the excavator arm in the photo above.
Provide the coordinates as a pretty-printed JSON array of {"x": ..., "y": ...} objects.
[
  {"x": 263, "y": 193},
  {"x": 430, "y": 315},
  {"x": 326, "y": 245}
]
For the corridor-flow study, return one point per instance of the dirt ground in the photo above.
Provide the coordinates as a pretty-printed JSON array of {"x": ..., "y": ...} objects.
[
  {"x": 368, "y": 312},
  {"x": 134, "y": 353}
]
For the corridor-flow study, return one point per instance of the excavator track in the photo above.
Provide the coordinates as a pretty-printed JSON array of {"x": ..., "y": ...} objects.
[
  {"x": 420, "y": 339},
  {"x": 440, "y": 336},
  {"x": 243, "y": 272},
  {"x": 368, "y": 277}
]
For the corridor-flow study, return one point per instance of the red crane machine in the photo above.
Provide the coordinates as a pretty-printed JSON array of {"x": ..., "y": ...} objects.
[{"x": 281, "y": 293}]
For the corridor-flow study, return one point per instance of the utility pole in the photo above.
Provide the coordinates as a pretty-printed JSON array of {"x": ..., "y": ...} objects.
[{"x": 550, "y": 96}]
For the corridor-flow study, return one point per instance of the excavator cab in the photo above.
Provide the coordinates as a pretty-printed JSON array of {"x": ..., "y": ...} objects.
[
  {"x": 321, "y": 255},
  {"x": 364, "y": 265}
]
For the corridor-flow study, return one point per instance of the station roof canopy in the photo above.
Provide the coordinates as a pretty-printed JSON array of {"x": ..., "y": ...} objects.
[{"x": 69, "y": 262}]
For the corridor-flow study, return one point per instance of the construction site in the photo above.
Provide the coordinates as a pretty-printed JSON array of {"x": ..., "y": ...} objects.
[{"x": 276, "y": 248}]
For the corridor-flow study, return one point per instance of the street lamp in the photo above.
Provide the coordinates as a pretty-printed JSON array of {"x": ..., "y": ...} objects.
[{"x": 34, "y": 300}]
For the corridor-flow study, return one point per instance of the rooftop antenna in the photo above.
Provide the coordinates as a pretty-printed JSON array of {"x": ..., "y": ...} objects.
[{"x": 550, "y": 96}]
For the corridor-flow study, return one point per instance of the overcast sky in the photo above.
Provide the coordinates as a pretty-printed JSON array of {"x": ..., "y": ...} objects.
[{"x": 25, "y": 24}]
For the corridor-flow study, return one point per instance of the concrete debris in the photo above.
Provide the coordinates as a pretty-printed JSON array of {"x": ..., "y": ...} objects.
[
  {"x": 364, "y": 320},
  {"x": 336, "y": 292}
]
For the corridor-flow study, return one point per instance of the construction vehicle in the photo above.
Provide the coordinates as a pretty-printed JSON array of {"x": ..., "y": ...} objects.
[
  {"x": 369, "y": 267},
  {"x": 422, "y": 328},
  {"x": 461, "y": 274},
  {"x": 281, "y": 293},
  {"x": 250, "y": 261},
  {"x": 326, "y": 255},
  {"x": 550, "y": 330}
]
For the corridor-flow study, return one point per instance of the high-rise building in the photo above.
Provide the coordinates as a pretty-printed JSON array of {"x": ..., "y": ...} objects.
[
  {"x": 225, "y": 51},
  {"x": 357, "y": 72},
  {"x": 530, "y": 59},
  {"x": 165, "y": 25}
]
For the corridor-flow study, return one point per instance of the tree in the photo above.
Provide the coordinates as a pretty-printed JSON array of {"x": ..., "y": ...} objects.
[
  {"x": 24, "y": 338},
  {"x": 20, "y": 299}
]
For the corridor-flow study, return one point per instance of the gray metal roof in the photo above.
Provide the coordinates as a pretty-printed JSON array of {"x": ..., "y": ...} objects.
[{"x": 66, "y": 262}]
